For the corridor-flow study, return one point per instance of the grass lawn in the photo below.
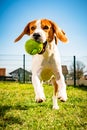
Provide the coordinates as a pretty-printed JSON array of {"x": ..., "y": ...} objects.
[{"x": 18, "y": 110}]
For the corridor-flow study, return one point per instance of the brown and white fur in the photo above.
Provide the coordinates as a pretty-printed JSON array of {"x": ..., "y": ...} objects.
[{"x": 47, "y": 65}]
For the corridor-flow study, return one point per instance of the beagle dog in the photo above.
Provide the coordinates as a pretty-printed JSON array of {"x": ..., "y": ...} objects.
[{"x": 47, "y": 64}]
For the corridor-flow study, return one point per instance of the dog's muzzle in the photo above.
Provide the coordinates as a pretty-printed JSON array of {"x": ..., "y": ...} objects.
[{"x": 37, "y": 37}]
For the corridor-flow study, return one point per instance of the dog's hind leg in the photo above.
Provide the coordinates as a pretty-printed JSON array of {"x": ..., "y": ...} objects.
[
  {"x": 55, "y": 93},
  {"x": 62, "y": 95}
]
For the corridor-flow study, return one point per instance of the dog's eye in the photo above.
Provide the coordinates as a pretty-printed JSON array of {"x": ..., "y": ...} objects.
[
  {"x": 45, "y": 27},
  {"x": 33, "y": 28}
]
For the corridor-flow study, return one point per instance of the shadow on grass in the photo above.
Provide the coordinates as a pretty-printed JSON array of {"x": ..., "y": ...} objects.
[
  {"x": 10, "y": 119},
  {"x": 84, "y": 88},
  {"x": 4, "y": 121},
  {"x": 24, "y": 106},
  {"x": 4, "y": 109}
]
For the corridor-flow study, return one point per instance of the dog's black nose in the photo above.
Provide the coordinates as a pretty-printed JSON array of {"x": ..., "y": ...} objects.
[{"x": 36, "y": 36}]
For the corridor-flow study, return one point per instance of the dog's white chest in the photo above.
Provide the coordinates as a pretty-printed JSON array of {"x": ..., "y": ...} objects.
[{"x": 44, "y": 66}]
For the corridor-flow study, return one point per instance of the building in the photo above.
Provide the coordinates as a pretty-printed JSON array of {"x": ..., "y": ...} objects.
[
  {"x": 2, "y": 71},
  {"x": 85, "y": 75},
  {"x": 2, "y": 74},
  {"x": 21, "y": 75}
]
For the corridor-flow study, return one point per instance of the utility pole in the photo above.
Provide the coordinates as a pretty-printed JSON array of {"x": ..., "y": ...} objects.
[
  {"x": 24, "y": 68},
  {"x": 74, "y": 71}
]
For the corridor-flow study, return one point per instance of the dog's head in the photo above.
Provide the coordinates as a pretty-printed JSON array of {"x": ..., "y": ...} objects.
[{"x": 44, "y": 31}]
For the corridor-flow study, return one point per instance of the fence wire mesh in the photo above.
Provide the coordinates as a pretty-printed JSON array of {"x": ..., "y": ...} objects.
[{"x": 12, "y": 63}]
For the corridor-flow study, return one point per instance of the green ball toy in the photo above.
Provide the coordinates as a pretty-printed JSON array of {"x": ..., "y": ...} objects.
[{"x": 33, "y": 47}]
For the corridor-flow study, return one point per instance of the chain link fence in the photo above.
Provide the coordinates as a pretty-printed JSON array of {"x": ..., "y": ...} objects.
[{"x": 18, "y": 68}]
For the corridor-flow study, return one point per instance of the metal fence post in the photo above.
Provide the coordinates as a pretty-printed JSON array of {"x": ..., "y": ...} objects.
[
  {"x": 74, "y": 71},
  {"x": 23, "y": 68}
]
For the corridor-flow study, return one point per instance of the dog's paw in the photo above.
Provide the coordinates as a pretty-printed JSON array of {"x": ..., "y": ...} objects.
[
  {"x": 56, "y": 107},
  {"x": 39, "y": 100},
  {"x": 62, "y": 96}
]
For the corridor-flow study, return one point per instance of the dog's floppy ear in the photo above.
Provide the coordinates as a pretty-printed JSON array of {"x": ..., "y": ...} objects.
[
  {"x": 25, "y": 31},
  {"x": 60, "y": 34}
]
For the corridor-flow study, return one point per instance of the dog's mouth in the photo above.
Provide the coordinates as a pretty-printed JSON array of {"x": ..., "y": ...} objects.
[{"x": 44, "y": 48}]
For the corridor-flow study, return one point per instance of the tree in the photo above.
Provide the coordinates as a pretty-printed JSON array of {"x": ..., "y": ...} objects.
[{"x": 79, "y": 70}]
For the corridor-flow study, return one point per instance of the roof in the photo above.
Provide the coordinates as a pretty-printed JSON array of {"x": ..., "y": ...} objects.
[{"x": 19, "y": 70}]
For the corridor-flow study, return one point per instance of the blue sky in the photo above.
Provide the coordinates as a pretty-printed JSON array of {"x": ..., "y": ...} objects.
[{"x": 70, "y": 15}]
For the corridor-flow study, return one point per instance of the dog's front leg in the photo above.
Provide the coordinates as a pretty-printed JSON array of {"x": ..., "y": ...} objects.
[{"x": 39, "y": 92}]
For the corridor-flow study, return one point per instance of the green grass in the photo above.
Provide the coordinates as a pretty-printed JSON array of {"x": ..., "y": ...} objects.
[{"x": 18, "y": 110}]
